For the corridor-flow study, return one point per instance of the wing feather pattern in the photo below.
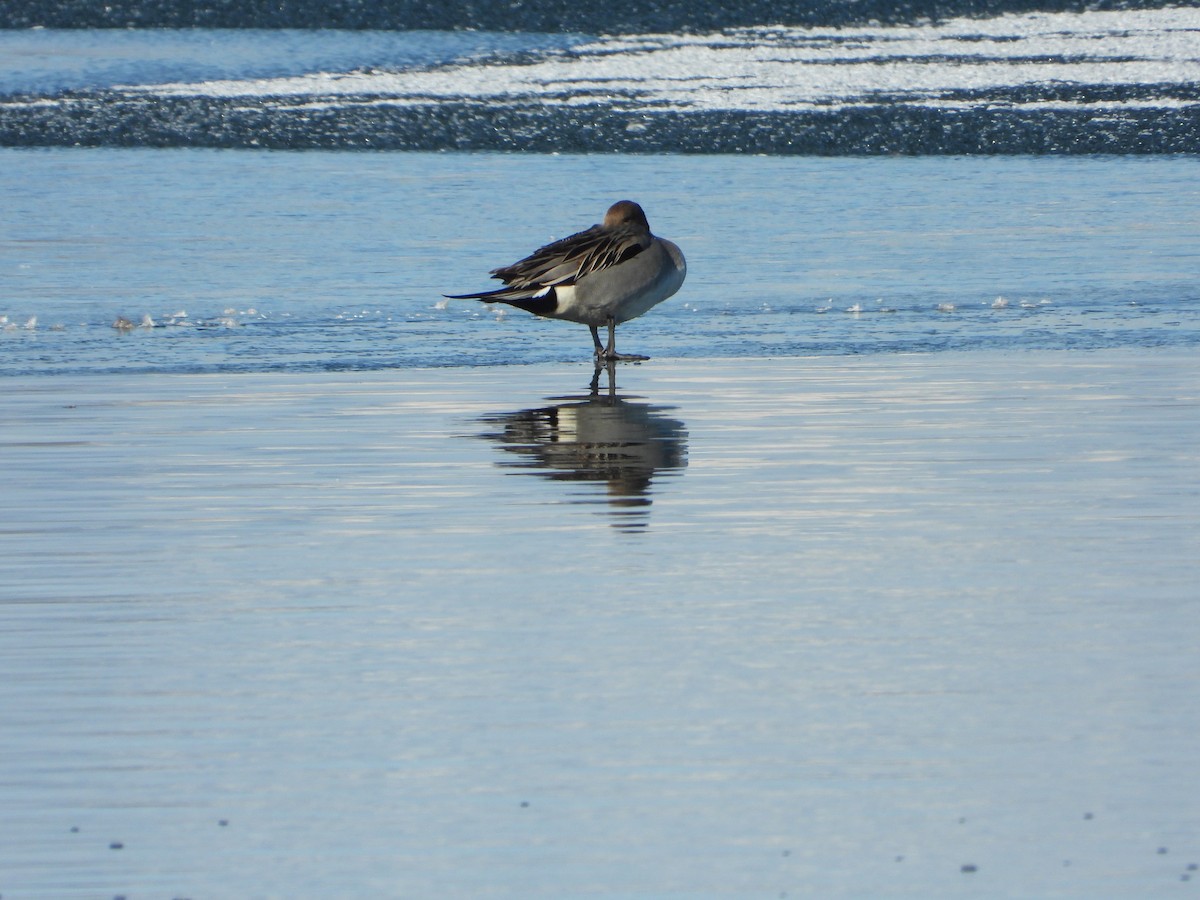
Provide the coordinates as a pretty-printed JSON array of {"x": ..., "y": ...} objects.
[{"x": 564, "y": 262}]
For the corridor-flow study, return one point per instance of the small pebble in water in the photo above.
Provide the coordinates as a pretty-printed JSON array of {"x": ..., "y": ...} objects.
[
  {"x": 1192, "y": 867},
  {"x": 116, "y": 845},
  {"x": 1162, "y": 851},
  {"x": 224, "y": 823},
  {"x": 524, "y": 804},
  {"x": 74, "y": 829},
  {"x": 968, "y": 867}
]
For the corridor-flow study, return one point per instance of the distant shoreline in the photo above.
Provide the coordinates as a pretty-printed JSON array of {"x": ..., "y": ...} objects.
[{"x": 554, "y": 16}]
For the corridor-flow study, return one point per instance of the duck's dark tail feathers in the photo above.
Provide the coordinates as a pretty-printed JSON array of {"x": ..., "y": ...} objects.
[
  {"x": 522, "y": 298},
  {"x": 485, "y": 296}
]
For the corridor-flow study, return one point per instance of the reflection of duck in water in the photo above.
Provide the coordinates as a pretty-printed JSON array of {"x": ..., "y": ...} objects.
[{"x": 604, "y": 439}]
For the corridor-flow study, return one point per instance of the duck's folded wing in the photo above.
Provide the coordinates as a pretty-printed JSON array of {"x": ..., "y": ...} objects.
[{"x": 568, "y": 260}]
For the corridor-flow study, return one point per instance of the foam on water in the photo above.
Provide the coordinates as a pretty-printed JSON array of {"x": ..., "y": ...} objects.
[
  {"x": 1078, "y": 82},
  {"x": 785, "y": 69}
]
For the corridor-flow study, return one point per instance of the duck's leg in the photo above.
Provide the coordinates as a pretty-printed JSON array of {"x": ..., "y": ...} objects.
[{"x": 610, "y": 352}]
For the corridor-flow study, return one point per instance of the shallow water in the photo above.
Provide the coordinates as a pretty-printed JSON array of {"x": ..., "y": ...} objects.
[
  {"x": 884, "y": 565},
  {"x": 259, "y": 261},
  {"x": 832, "y": 626},
  {"x": 49, "y": 61}
]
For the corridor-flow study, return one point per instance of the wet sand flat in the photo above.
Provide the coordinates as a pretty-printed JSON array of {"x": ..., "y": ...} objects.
[{"x": 833, "y": 627}]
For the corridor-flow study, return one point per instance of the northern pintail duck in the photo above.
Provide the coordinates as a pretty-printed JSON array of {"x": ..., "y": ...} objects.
[{"x": 606, "y": 275}]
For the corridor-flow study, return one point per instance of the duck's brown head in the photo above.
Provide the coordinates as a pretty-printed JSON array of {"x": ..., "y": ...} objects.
[{"x": 624, "y": 213}]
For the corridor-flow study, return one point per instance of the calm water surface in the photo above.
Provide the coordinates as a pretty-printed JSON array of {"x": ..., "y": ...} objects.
[
  {"x": 282, "y": 262},
  {"x": 318, "y": 587},
  {"x": 47, "y": 61},
  {"x": 826, "y": 626}
]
